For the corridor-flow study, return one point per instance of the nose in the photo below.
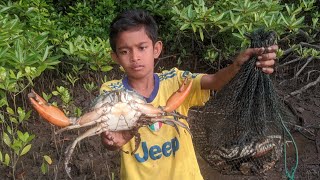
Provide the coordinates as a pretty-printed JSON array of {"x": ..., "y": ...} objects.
[{"x": 135, "y": 55}]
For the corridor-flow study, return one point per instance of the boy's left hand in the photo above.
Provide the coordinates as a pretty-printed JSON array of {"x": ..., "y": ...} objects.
[{"x": 266, "y": 58}]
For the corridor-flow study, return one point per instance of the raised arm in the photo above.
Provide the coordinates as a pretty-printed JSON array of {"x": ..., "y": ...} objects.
[{"x": 266, "y": 61}]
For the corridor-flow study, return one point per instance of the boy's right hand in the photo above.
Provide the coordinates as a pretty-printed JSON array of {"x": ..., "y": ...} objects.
[{"x": 115, "y": 140}]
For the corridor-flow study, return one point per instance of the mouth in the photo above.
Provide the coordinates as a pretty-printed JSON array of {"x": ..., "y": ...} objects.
[{"x": 137, "y": 67}]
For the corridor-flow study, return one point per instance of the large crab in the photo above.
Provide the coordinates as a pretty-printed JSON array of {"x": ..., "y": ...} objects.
[{"x": 114, "y": 111}]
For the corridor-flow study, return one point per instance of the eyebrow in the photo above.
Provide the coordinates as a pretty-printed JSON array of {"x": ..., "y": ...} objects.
[{"x": 127, "y": 47}]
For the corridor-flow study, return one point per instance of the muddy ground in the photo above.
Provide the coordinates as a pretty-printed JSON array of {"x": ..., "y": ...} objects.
[{"x": 91, "y": 161}]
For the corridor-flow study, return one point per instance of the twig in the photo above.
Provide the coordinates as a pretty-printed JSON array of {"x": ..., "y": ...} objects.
[
  {"x": 308, "y": 78},
  {"x": 310, "y": 45},
  {"x": 304, "y": 88},
  {"x": 286, "y": 52},
  {"x": 317, "y": 140},
  {"x": 304, "y": 131},
  {"x": 289, "y": 62},
  {"x": 302, "y": 68},
  {"x": 166, "y": 57},
  {"x": 304, "y": 44}
]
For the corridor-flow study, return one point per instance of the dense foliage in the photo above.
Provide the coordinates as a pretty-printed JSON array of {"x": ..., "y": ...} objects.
[{"x": 64, "y": 38}]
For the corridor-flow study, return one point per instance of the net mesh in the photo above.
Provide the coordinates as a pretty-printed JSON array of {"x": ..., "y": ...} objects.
[{"x": 249, "y": 137}]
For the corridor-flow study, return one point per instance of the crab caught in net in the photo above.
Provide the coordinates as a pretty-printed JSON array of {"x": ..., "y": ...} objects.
[{"x": 250, "y": 137}]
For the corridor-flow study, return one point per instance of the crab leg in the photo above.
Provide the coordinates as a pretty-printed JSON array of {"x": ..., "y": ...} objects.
[
  {"x": 172, "y": 122},
  {"x": 75, "y": 126},
  {"x": 174, "y": 101},
  {"x": 177, "y": 98},
  {"x": 91, "y": 132},
  {"x": 50, "y": 113}
]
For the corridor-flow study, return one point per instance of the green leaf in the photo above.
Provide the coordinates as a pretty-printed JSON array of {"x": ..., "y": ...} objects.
[
  {"x": 194, "y": 28},
  {"x": 190, "y": 13},
  {"x": 44, "y": 168},
  {"x": 1, "y": 118},
  {"x": 45, "y": 56},
  {"x": 93, "y": 67},
  {"x": 7, "y": 159},
  {"x": 30, "y": 137},
  {"x": 5, "y": 9},
  {"x": 3, "y": 51},
  {"x": 219, "y": 17},
  {"x": 14, "y": 120},
  {"x": 299, "y": 21},
  {"x": 201, "y": 34},
  {"x": 16, "y": 145},
  {"x": 71, "y": 48},
  {"x": 288, "y": 9},
  {"x": 47, "y": 159},
  {"x": 3, "y": 101},
  {"x": 56, "y": 93},
  {"x": 21, "y": 136},
  {"x": 238, "y": 35},
  {"x": 184, "y": 26},
  {"x": 106, "y": 68},
  {"x": 10, "y": 111},
  {"x": 25, "y": 150},
  {"x": 6, "y": 139},
  {"x": 1, "y": 158},
  {"x": 284, "y": 19},
  {"x": 66, "y": 51},
  {"x": 232, "y": 17},
  {"x": 22, "y": 114},
  {"x": 9, "y": 129}
]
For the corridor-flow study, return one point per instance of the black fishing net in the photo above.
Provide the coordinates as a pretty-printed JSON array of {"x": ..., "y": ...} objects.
[{"x": 251, "y": 132}]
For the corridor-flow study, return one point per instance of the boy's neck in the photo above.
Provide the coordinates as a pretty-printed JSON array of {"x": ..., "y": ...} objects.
[{"x": 143, "y": 86}]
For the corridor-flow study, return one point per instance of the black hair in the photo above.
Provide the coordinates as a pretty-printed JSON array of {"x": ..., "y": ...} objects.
[{"x": 130, "y": 19}]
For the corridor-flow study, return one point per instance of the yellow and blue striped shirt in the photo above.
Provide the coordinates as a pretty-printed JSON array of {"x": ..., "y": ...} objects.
[{"x": 163, "y": 153}]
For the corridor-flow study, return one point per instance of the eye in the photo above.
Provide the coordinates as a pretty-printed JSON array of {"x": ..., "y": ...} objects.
[
  {"x": 123, "y": 52},
  {"x": 143, "y": 48}
]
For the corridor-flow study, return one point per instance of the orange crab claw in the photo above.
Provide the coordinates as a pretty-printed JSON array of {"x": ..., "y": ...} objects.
[
  {"x": 177, "y": 98},
  {"x": 50, "y": 113}
]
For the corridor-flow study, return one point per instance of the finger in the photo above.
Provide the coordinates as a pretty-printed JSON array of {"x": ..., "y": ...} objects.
[
  {"x": 110, "y": 143},
  {"x": 110, "y": 137},
  {"x": 262, "y": 64},
  {"x": 104, "y": 134},
  {"x": 254, "y": 51},
  {"x": 127, "y": 135},
  {"x": 107, "y": 141},
  {"x": 272, "y": 48},
  {"x": 267, "y": 57},
  {"x": 267, "y": 70},
  {"x": 263, "y": 50}
]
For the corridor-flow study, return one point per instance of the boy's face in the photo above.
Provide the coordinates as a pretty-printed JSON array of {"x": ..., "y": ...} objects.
[{"x": 135, "y": 53}]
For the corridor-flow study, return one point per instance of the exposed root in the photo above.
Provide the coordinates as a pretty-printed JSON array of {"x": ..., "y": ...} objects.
[
  {"x": 305, "y": 65},
  {"x": 303, "y": 89},
  {"x": 289, "y": 62}
]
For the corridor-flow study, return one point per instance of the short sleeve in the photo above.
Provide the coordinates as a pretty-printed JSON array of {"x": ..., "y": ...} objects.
[
  {"x": 197, "y": 96},
  {"x": 111, "y": 85}
]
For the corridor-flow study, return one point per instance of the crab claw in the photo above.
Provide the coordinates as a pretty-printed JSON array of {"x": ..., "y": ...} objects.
[
  {"x": 50, "y": 113},
  {"x": 177, "y": 98}
]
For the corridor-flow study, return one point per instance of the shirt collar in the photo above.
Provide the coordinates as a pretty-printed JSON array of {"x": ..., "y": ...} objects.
[{"x": 155, "y": 90}]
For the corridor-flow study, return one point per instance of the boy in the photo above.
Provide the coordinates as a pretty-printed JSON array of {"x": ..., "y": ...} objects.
[{"x": 162, "y": 153}]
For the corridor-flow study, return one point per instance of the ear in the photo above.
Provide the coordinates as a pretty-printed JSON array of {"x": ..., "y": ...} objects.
[{"x": 157, "y": 49}]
